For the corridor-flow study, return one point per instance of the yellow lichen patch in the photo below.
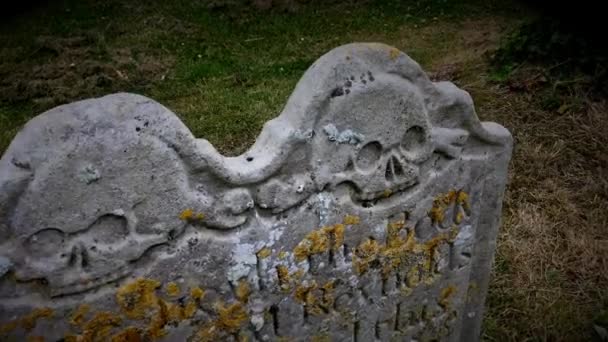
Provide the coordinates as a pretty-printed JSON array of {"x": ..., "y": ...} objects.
[
  {"x": 157, "y": 323},
  {"x": 190, "y": 309},
  {"x": 172, "y": 289},
  {"x": 445, "y": 296},
  {"x": 283, "y": 276},
  {"x": 321, "y": 240},
  {"x": 263, "y": 253},
  {"x": 327, "y": 301},
  {"x": 243, "y": 291},
  {"x": 405, "y": 291},
  {"x": 138, "y": 297},
  {"x": 459, "y": 217},
  {"x": 403, "y": 250},
  {"x": 365, "y": 254},
  {"x": 458, "y": 198},
  {"x": 189, "y": 215},
  {"x": 351, "y": 219},
  {"x": 463, "y": 200},
  {"x": 8, "y": 327},
  {"x": 186, "y": 215},
  {"x": 413, "y": 277},
  {"x": 437, "y": 212},
  {"x": 316, "y": 300},
  {"x": 197, "y": 293},
  {"x": 297, "y": 275},
  {"x": 28, "y": 322},
  {"x": 99, "y": 327},
  {"x": 175, "y": 312},
  {"x": 393, "y": 53},
  {"x": 77, "y": 318},
  {"x": 302, "y": 291},
  {"x": 130, "y": 334},
  {"x": 231, "y": 318},
  {"x": 282, "y": 255},
  {"x": 387, "y": 193},
  {"x": 316, "y": 242},
  {"x": 208, "y": 333}
]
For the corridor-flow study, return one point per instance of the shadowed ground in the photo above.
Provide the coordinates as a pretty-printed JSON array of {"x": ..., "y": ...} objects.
[{"x": 227, "y": 70}]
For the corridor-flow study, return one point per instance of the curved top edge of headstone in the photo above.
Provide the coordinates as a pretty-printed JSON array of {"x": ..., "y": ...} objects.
[{"x": 447, "y": 105}]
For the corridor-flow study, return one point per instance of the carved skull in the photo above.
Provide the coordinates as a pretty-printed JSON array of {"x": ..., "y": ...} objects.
[
  {"x": 78, "y": 261},
  {"x": 374, "y": 138}
]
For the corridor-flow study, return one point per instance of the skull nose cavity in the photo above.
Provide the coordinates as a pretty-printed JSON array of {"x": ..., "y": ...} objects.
[
  {"x": 394, "y": 170},
  {"x": 79, "y": 257}
]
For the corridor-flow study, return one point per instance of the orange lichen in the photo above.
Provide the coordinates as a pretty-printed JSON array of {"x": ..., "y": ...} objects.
[
  {"x": 208, "y": 333},
  {"x": 283, "y": 276},
  {"x": 186, "y": 215},
  {"x": 77, "y": 318},
  {"x": 243, "y": 291},
  {"x": 413, "y": 277},
  {"x": 172, "y": 289},
  {"x": 263, "y": 253},
  {"x": 365, "y": 254},
  {"x": 99, "y": 327},
  {"x": 190, "y": 309},
  {"x": 463, "y": 200},
  {"x": 138, "y": 297},
  {"x": 297, "y": 275},
  {"x": 321, "y": 240},
  {"x": 351, "y": 219},
  {"x": 316, "y": 300},
  {"x": 197, "y": 293},
  {"x": 316, "y": 242},
  {"x": 231, "y": 318},
  {"x": 8, "y": 327},
  {"x": 301, "y": 294},
  {"x": 159, "y": 320},
  {"x": 445, "y": 296},
  {"x": 459, "y": 217},
  {"x": 190, "y": 216},
  {"x": 441, "y": 203},
  {"x": 402, "y": 250},
  {"x": 130, "y": 334},
  {"x": 28, "y": 322}
]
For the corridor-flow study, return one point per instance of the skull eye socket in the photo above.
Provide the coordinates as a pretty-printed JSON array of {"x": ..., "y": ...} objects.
[
  {"x": 414, "y": 140},
  {"x": 369, "y": 155},
  {"x": 46, "y": 242},
  {"x": 109, "y": 229}
]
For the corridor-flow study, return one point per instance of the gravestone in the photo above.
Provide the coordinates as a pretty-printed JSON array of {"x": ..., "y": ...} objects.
[{"x": 367, "y": 210}]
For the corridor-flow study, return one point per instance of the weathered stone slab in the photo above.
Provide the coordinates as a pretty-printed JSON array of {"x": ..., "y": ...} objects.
[{"x": 368, "y": 209}]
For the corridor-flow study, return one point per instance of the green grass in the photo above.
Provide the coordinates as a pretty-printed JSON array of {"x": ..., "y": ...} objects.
[{"x": 227, "y": 71}]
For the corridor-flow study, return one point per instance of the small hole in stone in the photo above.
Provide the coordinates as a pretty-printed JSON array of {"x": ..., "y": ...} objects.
[
  {"x": 137, "y": 129},
  {"x": 249, "y": 159}
]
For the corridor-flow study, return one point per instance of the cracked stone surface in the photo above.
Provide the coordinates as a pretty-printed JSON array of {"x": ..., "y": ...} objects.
[{"x": 367, "y": 210}]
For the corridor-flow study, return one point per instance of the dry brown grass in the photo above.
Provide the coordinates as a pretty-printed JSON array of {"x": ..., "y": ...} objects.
[{"x": 551, "y": 272}]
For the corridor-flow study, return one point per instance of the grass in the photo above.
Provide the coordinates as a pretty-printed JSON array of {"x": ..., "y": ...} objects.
[{"x": 225, "y": 72}]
